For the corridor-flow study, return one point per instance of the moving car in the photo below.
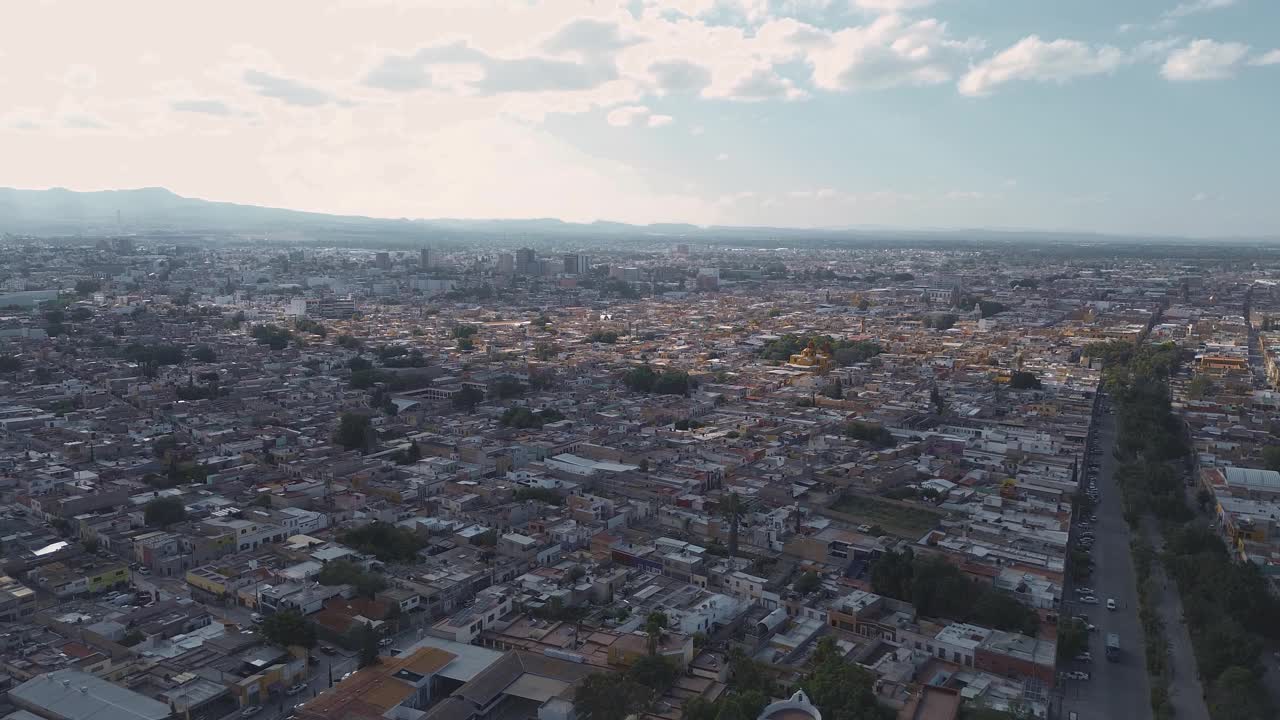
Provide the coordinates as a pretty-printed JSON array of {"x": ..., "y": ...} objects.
[
  {"x": 295, "y": 689},
  {"x": 1111, "y": 604},
  {"x": 250, "y": 711},
  {"x": 1084, "y": 591},
  {"x": 1089, "y": 600},
  {"x": 1084, "y": 657}
]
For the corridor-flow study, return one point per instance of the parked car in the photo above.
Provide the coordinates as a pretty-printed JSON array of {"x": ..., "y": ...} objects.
[
  {"x": 1084, "y": 591},
  {"x": 295, "y": 689},
  {"x": 1078, "y": 675},
  {"x": 1089, "y": 600},
  {"x": 328, "y": 649},
  {"x": 250, "y": 711},
  {"x": 1111, "y": 603},
  {"x": 385, "y": 642},
  {"x": 255, "y": 617},
  {"x": 1083, "y": 657}
]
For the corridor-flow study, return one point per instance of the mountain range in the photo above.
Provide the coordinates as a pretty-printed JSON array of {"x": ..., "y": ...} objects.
[{"x": 59, "y": 212}]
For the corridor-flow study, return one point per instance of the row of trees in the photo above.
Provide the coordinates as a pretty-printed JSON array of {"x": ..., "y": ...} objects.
[
  {"x": 388, "y": 543},
  {"x": 523, "y": 417},
  {"x": 1226, "y": 604},
  {"x": 644, "y": 379},
  {"x": 938, "y": 589},
  {"x": 876, "y": 435},
  {"x": 844, "y": 352}
]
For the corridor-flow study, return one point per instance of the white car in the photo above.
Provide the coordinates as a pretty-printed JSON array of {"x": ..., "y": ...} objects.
[
  {"x": 295, "y": 689},
  {"x": 1083, "y": 657},
  {"x": 250, "y": 711},
  {"x": 1084, "y": 591},
  {"x": 1089, "y": 600},
  {"x": 1111, "y": 604}
]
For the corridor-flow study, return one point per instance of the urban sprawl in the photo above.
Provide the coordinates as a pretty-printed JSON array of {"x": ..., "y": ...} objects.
[{"x": 685, "y": 480}]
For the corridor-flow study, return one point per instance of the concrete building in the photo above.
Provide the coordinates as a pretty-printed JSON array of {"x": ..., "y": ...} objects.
[{"x": 74, "y": 695}]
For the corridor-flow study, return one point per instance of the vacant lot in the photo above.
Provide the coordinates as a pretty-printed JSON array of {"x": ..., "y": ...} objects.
[{"x": 902, "y": 519}]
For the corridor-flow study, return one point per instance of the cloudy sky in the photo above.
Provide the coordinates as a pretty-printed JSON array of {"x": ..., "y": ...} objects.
[{"x": 1127, "y": 116}]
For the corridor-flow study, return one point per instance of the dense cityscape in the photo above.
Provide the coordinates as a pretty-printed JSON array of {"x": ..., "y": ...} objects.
[{"x": 663, "y": 479}]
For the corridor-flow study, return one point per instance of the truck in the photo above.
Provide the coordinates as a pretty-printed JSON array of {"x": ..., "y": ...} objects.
[{"x": 1113, "y": 647}]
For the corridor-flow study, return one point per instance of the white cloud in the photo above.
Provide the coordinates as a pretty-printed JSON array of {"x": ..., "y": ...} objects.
[
  {"x": 722, "y": 156},
  {"x": 1271, "y": 58},
  {"x": 1195, "y": 7},
  {"x": 1033, "y": 59},
  {"x": 286, "y": 90},
  {"x": 635, "y": 115},
  {"x": 891, "y": 5},
  {"x": 626, "y": 115},
  {"x": 205, "y": 107},
  {"x": 1204, "y": 60},
  {"x": 890, "y": 51}
]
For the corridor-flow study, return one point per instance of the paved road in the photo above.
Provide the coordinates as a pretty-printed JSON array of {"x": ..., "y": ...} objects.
[{"x": 1117, "y": 690}]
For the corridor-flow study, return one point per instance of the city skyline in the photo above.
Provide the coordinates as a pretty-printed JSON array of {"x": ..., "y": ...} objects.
[{"x": 1144, "y": 120}]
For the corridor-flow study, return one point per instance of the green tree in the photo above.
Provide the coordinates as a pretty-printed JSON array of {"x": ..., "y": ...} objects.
[
  {"x": 1073, "y": 637},
  {"x": 386, "y": 542},
  {"x": 1271, "y": 457},
  {"x": 165, "y": 511},
  {"x": 87, "y": 287},
  {"x": 733, "y": 513},
  {"x": 467, "y": 398},
  {"x": 1200, "y": 387},
  {"x": 355, "y": 432},
  {"x": 842, "y": 689},
  {"x": 345, "y": 572},
  {"x": 204, "y": 354},
  {"x": 656, "y": 673},
  {"x": 807, "y": 583},
  {"x": 358, "y": 363},
  {"x": 1024, "y": 381},
  {"x": 368, "y": 638},
  {"x": 654, "y": 625},
  {"x": 288, "y": 628},
  {"x": 604, "y": 696},
  {"x": 10, "y": 363}
]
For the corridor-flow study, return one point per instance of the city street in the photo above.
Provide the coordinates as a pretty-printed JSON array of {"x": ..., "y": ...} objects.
[{"x": 1116, "y": 689}]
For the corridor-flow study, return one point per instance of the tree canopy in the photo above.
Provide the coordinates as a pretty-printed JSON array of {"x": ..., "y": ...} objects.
[
  {"x": 355, "y": 432},
  {"x": 164, "y": 511},
  {"x": 388, "y": 543},
  {"x": 938, "y": 589},
  {"x": 288, "y": 628}
]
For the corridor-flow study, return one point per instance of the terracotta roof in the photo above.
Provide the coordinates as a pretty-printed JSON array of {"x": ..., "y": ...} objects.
[{"x": 371, "y": 692}]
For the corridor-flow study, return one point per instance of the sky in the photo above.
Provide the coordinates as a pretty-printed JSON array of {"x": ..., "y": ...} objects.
[{"x": 1132, "y": 117}]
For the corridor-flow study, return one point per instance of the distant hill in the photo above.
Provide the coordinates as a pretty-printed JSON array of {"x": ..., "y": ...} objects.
[
  {"x": 66, "y": 211},
  {"x": 61, "y": 212}
]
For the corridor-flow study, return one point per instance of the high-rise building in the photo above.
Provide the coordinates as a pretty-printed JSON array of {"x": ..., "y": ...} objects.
[
  {"x": 426, "y": 259},
  {"x": 526, "y": 261},
  {"x": 506, "y": 263},
  {"x": 575, "y": 264},
  {"x": 382, "y": 261}
]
